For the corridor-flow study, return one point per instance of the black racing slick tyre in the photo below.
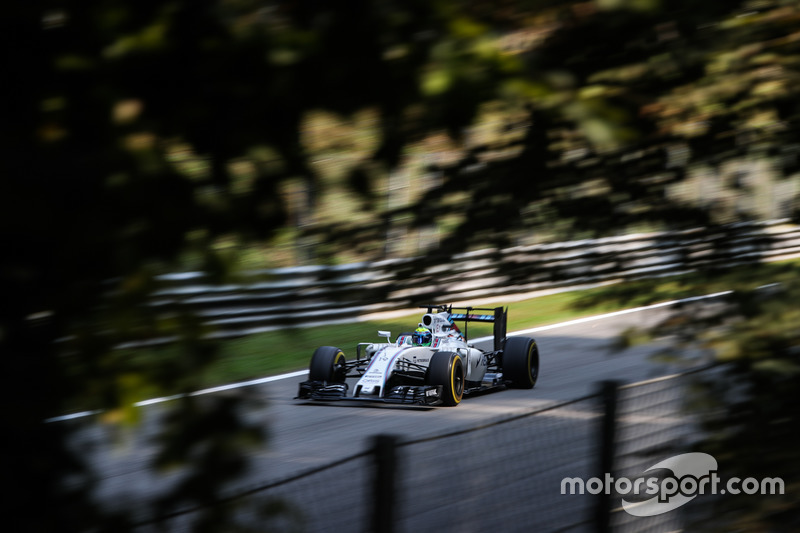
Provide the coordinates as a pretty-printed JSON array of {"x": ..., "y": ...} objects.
[
  {"x": 521, "y": 362},
  {"x": 447, "y": 369},
  {"x": 327, "y": 365}
]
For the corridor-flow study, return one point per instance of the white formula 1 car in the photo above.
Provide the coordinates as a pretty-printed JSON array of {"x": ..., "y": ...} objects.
[{"x": 433, "y": 365}]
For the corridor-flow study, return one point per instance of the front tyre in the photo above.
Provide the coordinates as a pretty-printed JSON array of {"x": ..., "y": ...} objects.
[
  {"x": 447, "y": 369},
  {"x": 521, "y": 362},
  {"x": 327, "y": 365}
]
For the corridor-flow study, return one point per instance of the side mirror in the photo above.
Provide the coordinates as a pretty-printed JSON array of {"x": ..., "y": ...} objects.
[{"x": 386, "y": 334}]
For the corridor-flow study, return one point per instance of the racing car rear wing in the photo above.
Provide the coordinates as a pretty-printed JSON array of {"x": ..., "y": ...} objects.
[{"x": 497, "y": 315}]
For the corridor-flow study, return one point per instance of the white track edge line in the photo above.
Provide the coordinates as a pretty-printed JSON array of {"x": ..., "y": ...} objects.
[{"x": 299, "y": 373}]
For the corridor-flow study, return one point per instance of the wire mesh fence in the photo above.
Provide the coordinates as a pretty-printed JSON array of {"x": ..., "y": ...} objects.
[
  {"x": 653, "y": 424},
  {"x": 503, "y": 475},
  {"x": 330, "y": 498},
  {"x": 508, "y": 474}
]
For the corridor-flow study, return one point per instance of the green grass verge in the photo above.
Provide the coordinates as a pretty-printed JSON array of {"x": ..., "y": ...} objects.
[{"x": 290, "y": 349}]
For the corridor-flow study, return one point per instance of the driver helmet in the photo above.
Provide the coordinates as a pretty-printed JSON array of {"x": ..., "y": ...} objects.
[{"x": 422, "y": 337}]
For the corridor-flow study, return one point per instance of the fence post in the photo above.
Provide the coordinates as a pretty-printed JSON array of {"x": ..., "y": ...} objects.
[
  {"x": 608, "y": 397},
  {"x": 385, "y": 490}
]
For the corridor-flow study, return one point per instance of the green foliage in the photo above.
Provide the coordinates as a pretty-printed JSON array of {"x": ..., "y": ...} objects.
[
  {"x": 749, "y": 406},
  {"x": 143, "y": 136},
  {"x": 673, "y": 115}
]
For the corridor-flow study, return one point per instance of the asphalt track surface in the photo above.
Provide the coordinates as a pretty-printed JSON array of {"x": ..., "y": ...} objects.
[{"x": 303, "y": 435}]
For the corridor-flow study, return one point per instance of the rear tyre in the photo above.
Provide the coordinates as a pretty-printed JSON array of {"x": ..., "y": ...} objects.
[
  {"x": 447, "y": 369},
  {"x": 327, "y": 365},
  {"x": 521, "y": 362}
]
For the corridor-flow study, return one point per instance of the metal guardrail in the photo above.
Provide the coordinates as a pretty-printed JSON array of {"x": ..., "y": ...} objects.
[{"x": 298, "y": 296}]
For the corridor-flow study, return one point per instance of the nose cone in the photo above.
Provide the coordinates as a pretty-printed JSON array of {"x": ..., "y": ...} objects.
[{"x": 368, "y": 389}]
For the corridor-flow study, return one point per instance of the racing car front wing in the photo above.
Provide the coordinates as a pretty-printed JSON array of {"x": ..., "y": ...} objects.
[
  {"x": 319, "y": 390},
  {"x": 402, "y": 394}
]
